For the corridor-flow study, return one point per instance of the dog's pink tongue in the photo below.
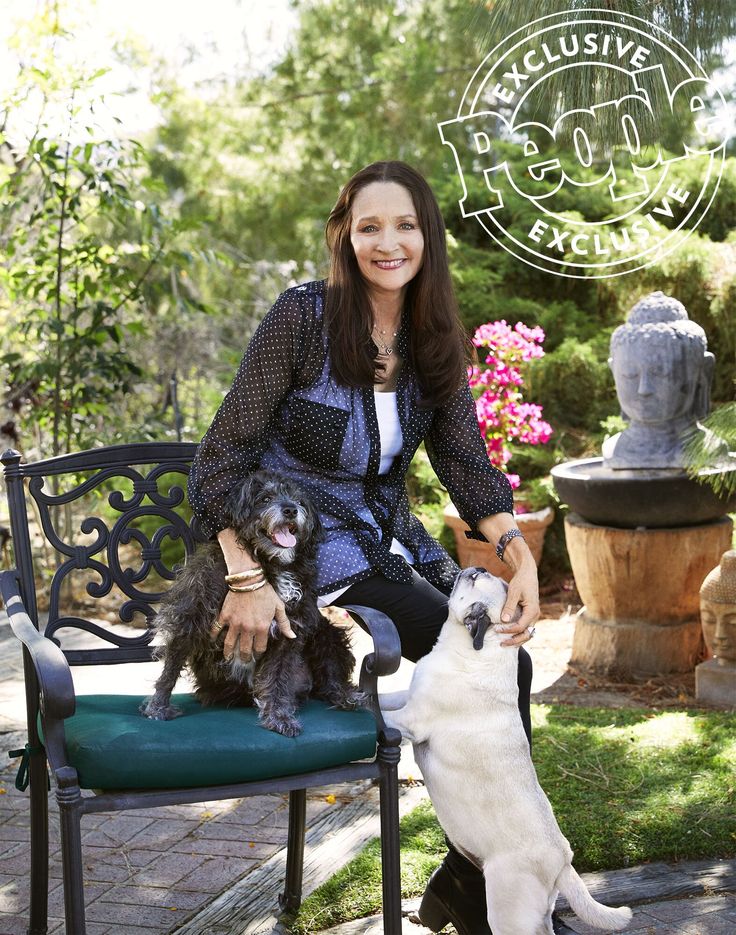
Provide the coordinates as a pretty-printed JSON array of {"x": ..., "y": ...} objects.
[{"x": 284, "y": 538}]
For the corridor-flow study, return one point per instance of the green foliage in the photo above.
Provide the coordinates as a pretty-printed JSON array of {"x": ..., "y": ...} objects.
[
  {"x": 723, "y": 317},
  {"x": 539, "y": 492},
  {"x": 718, "y": 220},
  {"x": 421, "y": 481},
  {"x": 575, "y": 384},
  {"x": 610, "y": 427},
  {"x": 574, "y": 88},
  {"x": 627, "y": 786},
  {"x": 476, "y": 280},
  {"x": 279, "y": 146},
  {"x": 81, "y": 232},
  {"x": 67, "y": 287},
  {"x": 705, "y": 450}
]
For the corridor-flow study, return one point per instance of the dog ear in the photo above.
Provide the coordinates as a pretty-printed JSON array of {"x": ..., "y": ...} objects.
[
  {"x": 239, "y": 500},
  {"x": 318, "y": 531},
  {"x": 477, "y": 621}
]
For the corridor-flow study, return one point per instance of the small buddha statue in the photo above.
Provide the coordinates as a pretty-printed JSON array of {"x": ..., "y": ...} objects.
[
  {"x": 663, "y": 373},
  {"x": 718, "y": 611},
  {"x": 715, "y": 679}
]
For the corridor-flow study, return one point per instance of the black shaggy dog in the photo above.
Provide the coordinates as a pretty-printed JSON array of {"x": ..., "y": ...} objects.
[{"x": 280, "y": 528}]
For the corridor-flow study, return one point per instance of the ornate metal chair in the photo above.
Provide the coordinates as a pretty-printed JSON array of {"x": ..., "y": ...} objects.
[{"x": 102, "y": 754}]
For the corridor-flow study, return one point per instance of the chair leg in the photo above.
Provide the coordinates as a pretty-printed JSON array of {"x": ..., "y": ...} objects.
[
  {"x": 70, "y": 813},
  {"x": 388, "y": 757},
  {"x": 292, "y": 896},
  {"x": 39, "y": 802}
]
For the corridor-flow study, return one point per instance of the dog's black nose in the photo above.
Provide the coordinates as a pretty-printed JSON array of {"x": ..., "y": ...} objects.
[{"x": 290, "y": 510}]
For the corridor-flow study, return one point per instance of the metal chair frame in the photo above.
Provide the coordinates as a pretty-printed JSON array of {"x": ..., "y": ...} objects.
[{"x": 50, "y": 689}]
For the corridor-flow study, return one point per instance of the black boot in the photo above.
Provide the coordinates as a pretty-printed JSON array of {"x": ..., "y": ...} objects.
[
  {"x": 559, "y": 927},
  {"x": 456, "y": 893}
]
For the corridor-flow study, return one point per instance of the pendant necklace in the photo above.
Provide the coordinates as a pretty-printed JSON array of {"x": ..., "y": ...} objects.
[{"x": 385, "y": 349}]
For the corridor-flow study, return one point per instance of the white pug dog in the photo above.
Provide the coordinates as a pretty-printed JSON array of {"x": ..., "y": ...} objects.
[{"x": 461, "y": 715}]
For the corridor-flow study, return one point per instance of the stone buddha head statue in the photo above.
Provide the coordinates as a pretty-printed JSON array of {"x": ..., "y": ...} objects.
[
  {"x": 663, "y": 372},
  {"x": 718, "y": 610}
]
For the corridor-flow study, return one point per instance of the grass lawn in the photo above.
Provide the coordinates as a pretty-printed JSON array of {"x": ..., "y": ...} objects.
[{"x": 627, "y": 786}]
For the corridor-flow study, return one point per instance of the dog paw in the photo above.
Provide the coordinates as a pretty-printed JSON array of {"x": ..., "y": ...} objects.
[
  {"x": 287, "y": 727},
  {"x": 159, "y": 712},
  {"x": 349, "y": 700},
  {"x": 360, "y": 699}
]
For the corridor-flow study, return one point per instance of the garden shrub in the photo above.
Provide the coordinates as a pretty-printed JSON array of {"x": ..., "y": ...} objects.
[
  {"x": 723, "y": 341},
  {"x": 575, "y": 385},
  {"x": 719, "y": 218},
  {"x": 565, "y": 319}
]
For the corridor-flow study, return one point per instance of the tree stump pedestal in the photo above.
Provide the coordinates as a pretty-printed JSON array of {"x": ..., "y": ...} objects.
[{"x": 640, "y": 588}]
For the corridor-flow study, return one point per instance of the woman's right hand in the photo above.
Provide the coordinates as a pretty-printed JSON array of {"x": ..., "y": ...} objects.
[{"x": 248, "y": 616}]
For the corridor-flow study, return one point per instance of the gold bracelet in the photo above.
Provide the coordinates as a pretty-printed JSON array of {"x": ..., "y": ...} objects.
[
  {"x": 247, "y": 587},
  {"x": 252, "y": 586},
  {"x": 244, "y": 575}
]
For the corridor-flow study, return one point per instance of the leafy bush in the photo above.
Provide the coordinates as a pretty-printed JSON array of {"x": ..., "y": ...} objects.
[
  {"x": 575, "y": 384},
  {"x": 722, "y": 338}
]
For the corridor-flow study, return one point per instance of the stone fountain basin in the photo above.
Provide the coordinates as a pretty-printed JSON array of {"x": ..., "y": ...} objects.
[{"x": 628, "y": 498}]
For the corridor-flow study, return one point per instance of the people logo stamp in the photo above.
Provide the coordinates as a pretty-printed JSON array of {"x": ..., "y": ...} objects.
[{"x": 650, "y": 204}]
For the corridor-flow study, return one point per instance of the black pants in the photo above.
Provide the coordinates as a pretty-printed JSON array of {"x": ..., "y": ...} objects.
[{"x": 418, "y": 610}]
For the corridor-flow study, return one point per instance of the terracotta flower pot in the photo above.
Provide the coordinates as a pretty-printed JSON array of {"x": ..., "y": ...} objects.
[{"x": 473, "y": 552}]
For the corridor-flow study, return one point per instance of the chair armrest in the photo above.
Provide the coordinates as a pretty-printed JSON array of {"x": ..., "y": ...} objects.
[
  {"x": 52, "y": 670},
  {"x": 386, "y": 655},
  {"x": 384, "y": 660}
]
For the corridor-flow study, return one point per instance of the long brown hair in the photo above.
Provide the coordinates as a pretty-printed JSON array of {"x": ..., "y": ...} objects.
[{"x": 438, "y": 345}]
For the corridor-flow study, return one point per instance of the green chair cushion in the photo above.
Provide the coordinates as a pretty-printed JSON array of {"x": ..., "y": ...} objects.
[{"x": 112, "y": 746}]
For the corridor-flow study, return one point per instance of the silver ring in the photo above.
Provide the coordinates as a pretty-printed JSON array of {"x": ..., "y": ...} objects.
[{"x": 532, "y": 631}]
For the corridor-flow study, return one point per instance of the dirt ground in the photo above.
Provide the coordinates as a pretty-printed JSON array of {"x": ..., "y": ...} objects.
[{"x": 557, "y": 681}]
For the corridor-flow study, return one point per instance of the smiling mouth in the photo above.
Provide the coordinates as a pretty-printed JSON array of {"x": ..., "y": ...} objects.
[
  {"x": 284, "y": 536},
  {"x": 389, "y": 264}
]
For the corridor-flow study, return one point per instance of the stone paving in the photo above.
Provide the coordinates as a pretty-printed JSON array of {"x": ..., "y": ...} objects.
[
  {"x": 145, "y": 871},
  {"x": 153, "y": 872},
  {"x": 704, "y": 915}
]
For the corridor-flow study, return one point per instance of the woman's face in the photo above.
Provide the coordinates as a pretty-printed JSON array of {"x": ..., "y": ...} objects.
[{"x": 386, "y": 238}]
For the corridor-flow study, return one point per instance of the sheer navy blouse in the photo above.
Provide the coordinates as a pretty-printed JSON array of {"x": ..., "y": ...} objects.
[{"x": 285, "y": 411}]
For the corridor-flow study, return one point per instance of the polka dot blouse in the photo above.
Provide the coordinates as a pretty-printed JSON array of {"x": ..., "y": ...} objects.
[{"x": 285, "y": 411}]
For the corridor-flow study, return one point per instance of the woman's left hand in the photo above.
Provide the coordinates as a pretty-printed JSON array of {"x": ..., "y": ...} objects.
[{"x": 523, "y": 595}]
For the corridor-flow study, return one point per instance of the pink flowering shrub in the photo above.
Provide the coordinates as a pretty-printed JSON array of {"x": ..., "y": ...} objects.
[{"x": 503, "y": 416}]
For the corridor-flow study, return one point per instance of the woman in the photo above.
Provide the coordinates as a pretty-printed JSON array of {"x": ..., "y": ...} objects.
[{"x": 340, "y": 384}]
